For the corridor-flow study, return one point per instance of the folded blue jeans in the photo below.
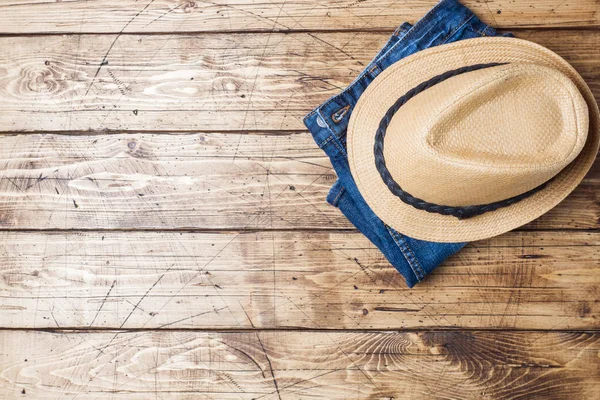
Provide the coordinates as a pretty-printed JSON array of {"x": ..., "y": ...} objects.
[{"x": 447, "y": 22}]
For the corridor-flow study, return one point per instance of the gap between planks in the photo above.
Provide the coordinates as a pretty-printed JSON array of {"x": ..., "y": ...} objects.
[
  {"x": 290, "y": 31},
  {"x": 66, "y": 329},
  {"x": 322, "y": 229}
]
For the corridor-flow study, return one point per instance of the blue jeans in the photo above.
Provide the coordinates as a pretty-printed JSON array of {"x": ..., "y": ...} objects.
[{"x": 447, "y": 22}]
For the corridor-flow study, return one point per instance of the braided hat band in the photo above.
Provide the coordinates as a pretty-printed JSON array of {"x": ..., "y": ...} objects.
[
  {"x": 394, "y": 187},
  {"x": 492, "y": 134}
]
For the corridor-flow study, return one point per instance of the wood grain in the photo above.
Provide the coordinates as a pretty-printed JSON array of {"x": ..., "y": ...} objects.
[
  {"x": 168, "y": 16},
  {"x": 299, "y": 365},
  {"x": 260, "y": 82},
  {"x": 164, "y": 232},
  {"x": 192, "y": 181},
  {"x": 335, "y": 280}
]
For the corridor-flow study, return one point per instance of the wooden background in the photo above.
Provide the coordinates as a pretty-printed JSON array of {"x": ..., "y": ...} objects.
[{"x": 164, "y": 231}]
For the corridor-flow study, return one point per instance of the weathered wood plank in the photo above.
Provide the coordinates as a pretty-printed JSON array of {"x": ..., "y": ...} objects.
[
  {"x": 165, "y": 181},
  {"x": 113, "y": 16},
  {"x": 126, "y": 280},
  {"x": 199, "y": 82},
  {"x": 294, "y": 365},
  {"x": 192, "y": 180}
]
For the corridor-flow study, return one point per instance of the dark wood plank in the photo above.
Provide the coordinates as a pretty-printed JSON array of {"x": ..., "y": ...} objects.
[
  {"x": 127, "y": 16},
  {"x": 294, "y": 365},
  {"x": 335, "y": 280}
]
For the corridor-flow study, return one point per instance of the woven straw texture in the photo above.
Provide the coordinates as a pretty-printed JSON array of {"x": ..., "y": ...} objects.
[{"x": 475, "y": 138}]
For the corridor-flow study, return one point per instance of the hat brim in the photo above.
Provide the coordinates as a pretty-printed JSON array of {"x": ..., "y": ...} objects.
[{"x": 420, "y": 67}]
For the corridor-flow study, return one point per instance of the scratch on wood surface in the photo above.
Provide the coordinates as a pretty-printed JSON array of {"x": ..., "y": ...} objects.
[
  {"x": 215, "y": 310},
  {"x": 258, "y": 69},
  {"x": 310, "y": 15},
  {"x": 270, "y": 366},
  {"x": 492, "y": 16},
  {"x": 102, "y": 304},
  {"x": 340, "y": 49},
  {"x": 247, "y": 316},
  {"x": 145, "y": 295},
  {"x": 105, "y": 58},
  {"x": 300, "y": 279}
]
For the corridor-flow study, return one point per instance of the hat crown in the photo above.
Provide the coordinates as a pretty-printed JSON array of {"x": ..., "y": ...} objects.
[
  {"x": 406, "y": 146},
  {"x": 486, "y": 135}
]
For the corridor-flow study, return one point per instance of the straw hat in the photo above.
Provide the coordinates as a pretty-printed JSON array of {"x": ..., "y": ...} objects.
[{"x": 469, "y": 140}]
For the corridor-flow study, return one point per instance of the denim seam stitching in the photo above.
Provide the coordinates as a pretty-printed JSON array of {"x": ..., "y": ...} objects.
[
  {"x": 393, "y": 48},
  {"x": 331, "y": 138},
  {"x": 338, "y": 145},
  {"x": 333, "y": 98},
  {"x": 320, "y": 115},
  {"x": 401, "y": 29},
  {"x": 324, "y": 142},
  {"x": 373, "y": 68},
  {"x": 408, "y": 258},
  {"x": 458, "y": 28},
  {"x": 401, "y": 247},
  {"x": 477, "y": 31},
  {"x": 414, "y": 257},
  {"x": 337, "y": 197}
]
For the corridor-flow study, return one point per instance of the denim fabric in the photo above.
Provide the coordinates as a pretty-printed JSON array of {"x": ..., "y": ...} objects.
[{"x": 447, "y": 22}]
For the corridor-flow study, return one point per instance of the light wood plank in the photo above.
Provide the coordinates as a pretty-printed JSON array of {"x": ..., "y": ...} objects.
[
  {"x": 192, "y": 181},
  {"x": 199, "y": 82},
  {"x": 299, "y": 365},
  {"x": 127, "y": 16},
  {"x": 525, "y": 280},
  {"x": 155, "y": 181}
]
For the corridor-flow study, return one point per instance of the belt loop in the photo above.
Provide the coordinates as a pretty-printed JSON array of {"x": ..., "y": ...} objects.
[
  {"x": 374, "y": 70},
  {"x": 402, "y": 29}
]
